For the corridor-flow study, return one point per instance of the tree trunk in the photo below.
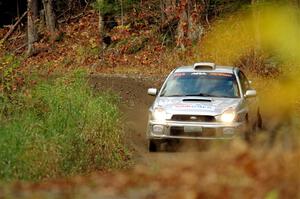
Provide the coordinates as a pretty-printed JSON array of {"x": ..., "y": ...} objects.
[
  {"x": 189, "y": 28},
  {"x": 182, "y": 28},
  {"x": 195, "y": 28},
  {"x": 35, "y": 9},
  {"x": 31, "y": 30},
  {"x": 50, "y": 16},
  {"x": 101, "y": 27}
]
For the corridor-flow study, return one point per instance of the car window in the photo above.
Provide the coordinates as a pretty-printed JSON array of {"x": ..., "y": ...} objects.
[
  {"x": 244, "y": 82},
  {"x": 201, "y": 84}
]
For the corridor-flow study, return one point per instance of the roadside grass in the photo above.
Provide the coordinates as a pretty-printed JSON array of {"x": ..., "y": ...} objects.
[{"x": 60, "y": 128}]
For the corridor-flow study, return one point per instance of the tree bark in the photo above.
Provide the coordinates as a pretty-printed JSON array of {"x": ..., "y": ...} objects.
[
  {"x": 31, "y": 30},
  {"x": 50, "y": 16},
  {"x": 35, "y": 9},
  {"x": 195, "y": 28},
  {"x": 182, "y": 28},
  {"x": 101, "y": 27},
  {"x": 189, "y": 28}
]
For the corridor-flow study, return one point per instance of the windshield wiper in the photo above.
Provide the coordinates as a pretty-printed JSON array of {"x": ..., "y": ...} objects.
[{"x": 202, "y": 95}]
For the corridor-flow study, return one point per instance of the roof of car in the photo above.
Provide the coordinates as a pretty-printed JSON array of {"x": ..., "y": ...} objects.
[{"x": 220, "y": 69}]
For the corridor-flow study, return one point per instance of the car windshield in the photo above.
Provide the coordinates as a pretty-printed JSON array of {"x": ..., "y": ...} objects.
[{"x": 206, "y": 84}]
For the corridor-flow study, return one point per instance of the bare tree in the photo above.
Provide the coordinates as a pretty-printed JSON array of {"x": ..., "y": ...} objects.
[
  {"x": 50, "y": 16},
  {"x": 31, "y": 29}
]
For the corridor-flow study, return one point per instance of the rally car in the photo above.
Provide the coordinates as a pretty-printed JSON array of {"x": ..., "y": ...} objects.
[{"x": 202, "y": 102}]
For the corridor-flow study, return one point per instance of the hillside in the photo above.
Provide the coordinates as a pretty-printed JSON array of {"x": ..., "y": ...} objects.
[
  {"x": 143, "y": 44},
  {"x": 135, "y": 47}
]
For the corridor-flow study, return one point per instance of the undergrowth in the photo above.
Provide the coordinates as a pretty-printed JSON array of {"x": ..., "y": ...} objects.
[{"x": 59, "y": 128}]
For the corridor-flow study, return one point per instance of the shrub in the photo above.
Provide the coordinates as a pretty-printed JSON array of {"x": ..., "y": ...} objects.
[
  {"x": 61, "y": 129},
  {"x": 10, "y": 78}
]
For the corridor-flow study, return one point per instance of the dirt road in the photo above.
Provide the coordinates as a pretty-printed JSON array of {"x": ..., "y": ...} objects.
[
  {"x": 134, "y": 103},
  {"x": 233, "y": 171}
]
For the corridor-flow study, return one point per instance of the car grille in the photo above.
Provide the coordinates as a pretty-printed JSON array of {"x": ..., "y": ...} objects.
[
  {"x": 194, "y": 118},
  {"x": 206, "y": 132}
]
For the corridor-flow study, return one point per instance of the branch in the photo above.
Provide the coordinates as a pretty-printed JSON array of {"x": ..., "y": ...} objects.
[
  {"x": 71, "y": 18},
  {"x": 13, "y": 27},
  {"x": 22, "y": 46},
  {"x": 17, "y": 37}
]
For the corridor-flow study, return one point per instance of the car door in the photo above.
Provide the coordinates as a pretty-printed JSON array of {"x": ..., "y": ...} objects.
[{"x": 251, "y": 102}]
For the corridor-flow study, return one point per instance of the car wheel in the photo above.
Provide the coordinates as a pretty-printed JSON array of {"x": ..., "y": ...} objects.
[
  {"x": 259, "y": 120},
  {"x": 153, "y": 145},
  {"x": 248, "y": 132}
]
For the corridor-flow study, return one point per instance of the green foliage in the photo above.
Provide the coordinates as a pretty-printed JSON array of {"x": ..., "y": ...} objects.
[
  {"x": 131, "y": 45},
  {"x": 60, "y": 128},
  {"x": 9, "y": 74},
  {"x": 139, "y": 44},
  {"x": 11, "y": 82}
]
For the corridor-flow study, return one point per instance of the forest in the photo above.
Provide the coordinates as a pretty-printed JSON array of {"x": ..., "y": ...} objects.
[{"x": 74, "y": 76}]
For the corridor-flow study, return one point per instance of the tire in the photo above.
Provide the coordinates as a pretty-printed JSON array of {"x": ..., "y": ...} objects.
[
  {"x": 153, "y": 146},
  {"x": 248, "y": 132},
  {"x": 259, "y": 121}
]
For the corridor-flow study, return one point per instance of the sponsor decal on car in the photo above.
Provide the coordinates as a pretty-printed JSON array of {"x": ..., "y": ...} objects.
[
  {"x": 221, "y": 74},
  {"x": 179, "y": 74},
  {"x": 195, "y": 107},
  {"x": 199, "y": 73}
]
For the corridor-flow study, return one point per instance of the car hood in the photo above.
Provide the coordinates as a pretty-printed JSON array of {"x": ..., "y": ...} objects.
[{"x": 197, "y": 105}]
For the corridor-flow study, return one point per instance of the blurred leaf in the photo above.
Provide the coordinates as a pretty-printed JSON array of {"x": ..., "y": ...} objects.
[{"x": 272, "y": 195}]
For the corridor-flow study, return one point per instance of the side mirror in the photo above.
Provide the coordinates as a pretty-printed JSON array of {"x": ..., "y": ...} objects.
[
  {"x": 250, "y": 93},
  {"x": 152, "y": 91}
]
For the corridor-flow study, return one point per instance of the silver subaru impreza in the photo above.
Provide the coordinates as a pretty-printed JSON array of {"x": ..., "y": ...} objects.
[{"x": 203, "y": 101}]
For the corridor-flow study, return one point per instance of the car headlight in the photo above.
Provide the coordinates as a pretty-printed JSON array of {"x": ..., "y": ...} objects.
[
  {"x": 228, "y": 116},
  {"x": 159, "y": 114}
]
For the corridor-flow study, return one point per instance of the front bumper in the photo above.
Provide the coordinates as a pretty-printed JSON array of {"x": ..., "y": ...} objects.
[{"x": 209, "y": 130}]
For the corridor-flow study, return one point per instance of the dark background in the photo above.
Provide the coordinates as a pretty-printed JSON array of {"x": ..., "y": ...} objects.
[{"x": 8, "y": 11}]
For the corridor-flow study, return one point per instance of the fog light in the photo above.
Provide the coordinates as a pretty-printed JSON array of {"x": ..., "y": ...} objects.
[
  {"x": 158, "y": 129},
  {"x": 228, "y": 131}
]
